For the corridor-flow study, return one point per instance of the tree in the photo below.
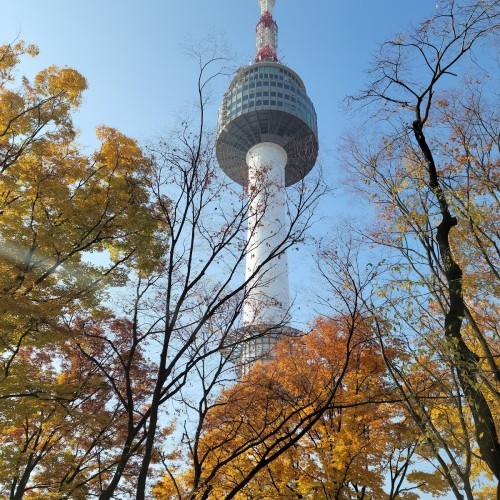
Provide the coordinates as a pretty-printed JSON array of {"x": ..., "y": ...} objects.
[
  {"x": 345, "y": 454},
  {"x": 309, "y": 423},
  {"x": 177, "y": 228},
  {"x": 57, "y": 206},
  {"x": 433, "y": 174},
  {"x": 66, "y": 443}
]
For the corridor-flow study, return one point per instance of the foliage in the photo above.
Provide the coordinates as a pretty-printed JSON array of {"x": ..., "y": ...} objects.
[
  {"x": 89, "y": 397},
  {"x": 58, "y": 206},
  {"x": 332, "y": 373},
  {"x": 404, "y": 372}
]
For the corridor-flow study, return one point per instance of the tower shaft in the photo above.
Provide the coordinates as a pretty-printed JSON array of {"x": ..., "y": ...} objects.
[{"x": 268, "y": 299}]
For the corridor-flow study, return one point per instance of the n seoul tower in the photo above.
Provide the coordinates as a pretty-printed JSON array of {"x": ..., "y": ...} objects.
[{"x": 267, "y": 139}]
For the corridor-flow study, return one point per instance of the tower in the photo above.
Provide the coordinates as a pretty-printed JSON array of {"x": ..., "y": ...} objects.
[{"x": 267, "y": 140}]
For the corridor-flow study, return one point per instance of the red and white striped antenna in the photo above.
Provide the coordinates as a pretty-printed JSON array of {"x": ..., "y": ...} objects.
[{"x": 267, "y": 33}]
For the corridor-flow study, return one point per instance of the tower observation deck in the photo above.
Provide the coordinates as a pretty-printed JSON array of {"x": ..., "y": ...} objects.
[{"x": 267, "y": 139}]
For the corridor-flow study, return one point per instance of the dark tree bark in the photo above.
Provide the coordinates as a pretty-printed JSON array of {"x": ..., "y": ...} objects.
[{"x": 405, "y": 79}]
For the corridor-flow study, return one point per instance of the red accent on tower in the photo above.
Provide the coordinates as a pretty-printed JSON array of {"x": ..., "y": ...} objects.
[
  {"x": 266, "y": 54},
  {"x": 267, "y": 20}
]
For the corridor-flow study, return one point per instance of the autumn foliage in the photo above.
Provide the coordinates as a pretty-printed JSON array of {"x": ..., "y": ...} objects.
[
  {"x": 330, "y": 388},
  {"x": 432, "y": 174},
  {"x": 59, "y": 415},
  {"x": 120, "y": 299}
]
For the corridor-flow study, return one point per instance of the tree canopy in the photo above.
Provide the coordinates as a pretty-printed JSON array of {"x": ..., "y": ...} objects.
[{"x": 121, "y": 293}]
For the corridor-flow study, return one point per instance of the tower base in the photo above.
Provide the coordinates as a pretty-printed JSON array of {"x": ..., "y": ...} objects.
[{"x": 257, "y": 343}]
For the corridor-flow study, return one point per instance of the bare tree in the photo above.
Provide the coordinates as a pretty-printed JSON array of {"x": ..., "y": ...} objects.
[
  {"x": 175, "y": 322},
  {"x": 278, "y": 426},
  {"x": 420, "y": 181},
  {"x": 196, "y": 300}
]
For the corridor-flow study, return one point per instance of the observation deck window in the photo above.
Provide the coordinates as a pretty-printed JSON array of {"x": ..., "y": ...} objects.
[{"x": 279, "y": 89}]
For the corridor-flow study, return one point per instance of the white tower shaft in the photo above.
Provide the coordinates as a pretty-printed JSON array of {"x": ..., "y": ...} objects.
[
  {"x": 268, "y": 299},
  {"x": 245, "y": 125}
]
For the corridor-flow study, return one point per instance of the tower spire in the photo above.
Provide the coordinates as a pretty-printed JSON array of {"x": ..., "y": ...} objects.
[{"x": 267, "y": 33}]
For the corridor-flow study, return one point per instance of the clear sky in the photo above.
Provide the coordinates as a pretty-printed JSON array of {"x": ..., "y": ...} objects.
[{"x": 140, "y": 79}]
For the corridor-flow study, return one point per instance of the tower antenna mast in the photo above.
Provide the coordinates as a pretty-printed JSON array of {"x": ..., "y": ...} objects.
[{"x": 267, "y": 33}]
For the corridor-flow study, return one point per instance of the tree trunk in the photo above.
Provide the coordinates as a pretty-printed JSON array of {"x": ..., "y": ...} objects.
[{"x": 464, "y": 360}]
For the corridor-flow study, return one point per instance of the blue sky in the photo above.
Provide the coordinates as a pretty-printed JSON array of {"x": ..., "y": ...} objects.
[{"x": 140, "y": 79}]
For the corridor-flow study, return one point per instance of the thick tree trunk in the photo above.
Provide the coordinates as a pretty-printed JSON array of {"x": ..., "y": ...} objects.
[
  {"x": 464, "y": 360},
  {"x": 109, "y": 491},
  {"x": 148, "y": 449}
]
